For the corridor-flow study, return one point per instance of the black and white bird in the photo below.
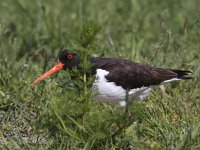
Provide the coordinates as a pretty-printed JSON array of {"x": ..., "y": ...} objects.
[{"x": 114, "y": 76}]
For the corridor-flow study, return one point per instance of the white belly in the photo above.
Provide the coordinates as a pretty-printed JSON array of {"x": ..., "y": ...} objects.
[{"x": 110, "y": 92}]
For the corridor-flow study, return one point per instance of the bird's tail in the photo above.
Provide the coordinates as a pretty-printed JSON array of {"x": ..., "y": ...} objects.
[{"x": 182, "y": 74}]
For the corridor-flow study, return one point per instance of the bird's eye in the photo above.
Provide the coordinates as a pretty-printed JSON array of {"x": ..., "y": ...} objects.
[{"x": 69, "y": 56}]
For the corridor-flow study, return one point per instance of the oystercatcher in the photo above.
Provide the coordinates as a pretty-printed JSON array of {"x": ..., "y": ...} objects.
[{"x": 115, "y": 76}]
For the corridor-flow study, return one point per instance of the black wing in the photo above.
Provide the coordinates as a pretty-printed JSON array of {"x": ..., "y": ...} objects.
[{"x": 129, "y": 74}]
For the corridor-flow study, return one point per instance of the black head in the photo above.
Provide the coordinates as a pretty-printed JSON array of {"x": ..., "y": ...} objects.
[{"x": 69, "y": 59}]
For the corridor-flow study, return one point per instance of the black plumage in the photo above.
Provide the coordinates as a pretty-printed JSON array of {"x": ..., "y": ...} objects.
[{"x": 129, "y": 74}]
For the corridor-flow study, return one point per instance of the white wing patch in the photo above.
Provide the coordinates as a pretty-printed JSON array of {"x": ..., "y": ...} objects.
[{"x": 173, "y": 79}]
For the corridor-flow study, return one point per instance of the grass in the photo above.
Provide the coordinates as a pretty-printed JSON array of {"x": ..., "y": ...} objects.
[{"x": 58, "y": 115}]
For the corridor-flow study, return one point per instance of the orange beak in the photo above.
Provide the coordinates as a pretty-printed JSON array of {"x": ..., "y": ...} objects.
[{"x": 53, "y": 70}]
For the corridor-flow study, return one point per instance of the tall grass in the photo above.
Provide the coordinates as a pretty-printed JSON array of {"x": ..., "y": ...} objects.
[{"x": 60, "y": 113}]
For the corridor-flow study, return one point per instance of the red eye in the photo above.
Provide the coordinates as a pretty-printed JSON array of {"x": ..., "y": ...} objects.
[{"x": 69, "y": 56}]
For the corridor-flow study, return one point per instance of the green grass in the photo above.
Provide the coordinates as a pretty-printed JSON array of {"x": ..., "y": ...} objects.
[{"x": 58, "y": 115}]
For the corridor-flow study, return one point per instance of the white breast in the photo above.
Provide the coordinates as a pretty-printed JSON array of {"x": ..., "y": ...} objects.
[{"x": 110, "y": 92}]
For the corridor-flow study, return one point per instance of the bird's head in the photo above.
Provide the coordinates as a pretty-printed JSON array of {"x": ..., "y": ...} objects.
[{"x": 67, "y": 60}]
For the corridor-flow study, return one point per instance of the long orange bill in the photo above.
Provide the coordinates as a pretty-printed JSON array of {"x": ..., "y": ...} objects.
[{"x": 53, "y": 70}]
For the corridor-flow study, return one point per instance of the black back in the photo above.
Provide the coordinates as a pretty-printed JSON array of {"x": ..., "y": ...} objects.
[{"x": 129, "y": 74}]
